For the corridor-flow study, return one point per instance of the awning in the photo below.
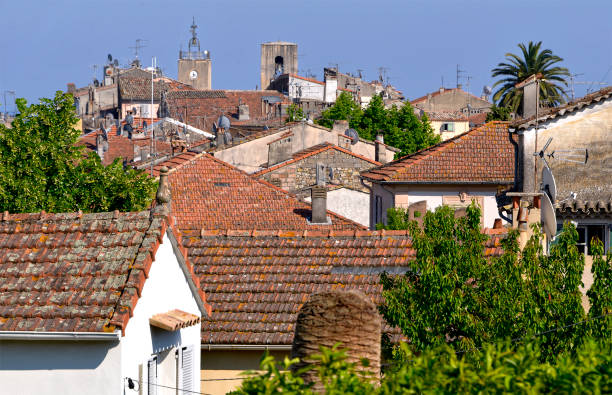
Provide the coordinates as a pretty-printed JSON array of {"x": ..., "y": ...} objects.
[{"x": 174, "y": 320}]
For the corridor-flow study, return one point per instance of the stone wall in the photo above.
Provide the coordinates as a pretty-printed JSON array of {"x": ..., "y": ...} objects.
[{"x": 301, "y": 174}]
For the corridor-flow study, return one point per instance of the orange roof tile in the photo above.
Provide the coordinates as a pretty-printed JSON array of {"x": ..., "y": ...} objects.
[
  {"x": 174, "y": 320},
  {"x": 481, "y": 155}
]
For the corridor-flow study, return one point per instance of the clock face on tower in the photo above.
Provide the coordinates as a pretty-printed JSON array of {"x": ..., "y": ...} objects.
[{"x": 193, "y": 74}]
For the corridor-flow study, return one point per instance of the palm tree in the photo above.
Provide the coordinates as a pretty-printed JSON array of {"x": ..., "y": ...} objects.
[{"x": 518, "y": 69}]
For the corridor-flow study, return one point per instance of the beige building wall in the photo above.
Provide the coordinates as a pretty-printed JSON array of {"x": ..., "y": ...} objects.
[
  {"x": 460, "y": 127},
  {"x": 222, "y": 371}
]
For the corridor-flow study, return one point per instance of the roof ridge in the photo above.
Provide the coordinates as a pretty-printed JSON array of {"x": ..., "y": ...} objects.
[{"x": 330, "y": 233}]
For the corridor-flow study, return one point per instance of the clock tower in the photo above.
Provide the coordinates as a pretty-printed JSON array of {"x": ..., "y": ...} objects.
[{"x": 194, "y": 65}]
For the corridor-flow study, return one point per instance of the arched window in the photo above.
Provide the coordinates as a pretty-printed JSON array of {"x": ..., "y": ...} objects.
[{"x": 278, "y": 65}]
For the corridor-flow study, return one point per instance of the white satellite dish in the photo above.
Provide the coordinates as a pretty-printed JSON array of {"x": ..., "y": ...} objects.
[
  {"x": 548, "y": 184},
  {"x": 549, "y": 220}
]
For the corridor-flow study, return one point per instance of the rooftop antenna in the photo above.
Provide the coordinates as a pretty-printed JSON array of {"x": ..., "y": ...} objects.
[
  {"x": 360, "y": 73},
  {"x": 153, "y": 144},
  {"x": 590, "y": 83},
  {"x": 138, "y": 46},
  {"x": 459, "y": 74}
]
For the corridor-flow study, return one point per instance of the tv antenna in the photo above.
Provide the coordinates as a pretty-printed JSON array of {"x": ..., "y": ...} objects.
[
  {"x": 138, "y": 46},
  {"x": 459, "y": 74},
  {"x": 589, "y": 83},
  {"x": 576, "y": 155}
]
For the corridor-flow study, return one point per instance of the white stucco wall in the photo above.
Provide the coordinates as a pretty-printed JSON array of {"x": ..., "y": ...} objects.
[
  {"x": 354, "y": 205},
  {"x": 303, "y": 89},
  {"x": 165, "y": 289},
  {"x": 60, "y": 367},
  {"x": 405, "y": 195}
]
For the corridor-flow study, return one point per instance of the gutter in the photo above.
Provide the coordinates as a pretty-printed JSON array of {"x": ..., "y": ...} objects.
[
  {"x": 74, "y": 336},
  {"x": 443, "y": 182},
  {"x": 271, "y": 347}
]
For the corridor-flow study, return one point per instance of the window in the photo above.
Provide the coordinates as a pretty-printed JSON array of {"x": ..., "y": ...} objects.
[
  {"x": 185, "y": 368},
  {"x": 587, "y": 233},
  {"x": 377, "y": 209},
  {"x": 152, "y": 376},
  {"x": 447, "y": 127}
]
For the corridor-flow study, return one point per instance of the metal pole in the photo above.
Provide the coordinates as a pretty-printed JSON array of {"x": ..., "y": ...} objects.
[
  {"x": 151, "y": 114},
  {"x": 535, "y": 158}
]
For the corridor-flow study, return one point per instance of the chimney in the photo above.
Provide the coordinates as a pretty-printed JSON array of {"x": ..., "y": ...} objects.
[
  {"x": 319, "y": 197},
  {"x": 219, "y": 137},
  {"x": 71, "y": 87},
  {"x": 163, "y": 195},
  {"x": 243, "y": 112},
  {"x": 441, "y": 89},
  {"x": 530, "y": 94},
  {"x": 380, "y": 154},
  {"x": 101, "y": 146},
  {"x": 459, "y": 86},
  {"x": 280, "y": 150}
]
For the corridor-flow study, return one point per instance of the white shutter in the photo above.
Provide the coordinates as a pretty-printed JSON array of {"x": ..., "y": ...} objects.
[
  {"x": 152, "y": 376},
  {"x": 186, "y": 371}
]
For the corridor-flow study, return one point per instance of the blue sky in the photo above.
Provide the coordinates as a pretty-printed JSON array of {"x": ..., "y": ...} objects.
[{"x": 47, "y": 43}]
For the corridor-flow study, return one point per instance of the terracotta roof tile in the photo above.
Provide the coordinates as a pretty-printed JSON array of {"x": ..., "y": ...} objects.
[
  {"x": 481, "y": 155},
  {"x": 174, "y": 320},
  {"x": 208, "y": 193},
  {"x": 256, "y": 284},
  {"x": 74, "y": 271}
]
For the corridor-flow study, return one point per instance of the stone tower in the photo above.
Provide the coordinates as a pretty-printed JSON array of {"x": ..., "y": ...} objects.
[
  {"x": 277, "y": 58},
  {"x": 194, "y": 65}
]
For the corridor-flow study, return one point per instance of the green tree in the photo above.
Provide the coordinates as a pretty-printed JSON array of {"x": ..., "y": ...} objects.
[
  {"x": 498, "y": 114},
  {"x": 345, "y": 108},
  {"x": 294, "y": 113},
  {"x": 533, "y": 60},
  {"x": 42, "y": 167},
  {"x": 600, "y": 293},
  {"x": 455, "y": 295}
]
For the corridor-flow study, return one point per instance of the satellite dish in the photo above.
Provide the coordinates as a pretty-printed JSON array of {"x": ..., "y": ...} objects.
[
  {"x": 353, "y": 135},
  {"x": 110, "y": 58},
  {"x": 487, "y": 90},
  {"x": 96, "y": 82},
  {"x": 548, "y": 184},
  {"x": 549, "y": 220}
]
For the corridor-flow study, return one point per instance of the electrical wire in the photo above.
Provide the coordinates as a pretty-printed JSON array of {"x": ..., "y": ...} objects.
[{"x": 165, "y": 386}]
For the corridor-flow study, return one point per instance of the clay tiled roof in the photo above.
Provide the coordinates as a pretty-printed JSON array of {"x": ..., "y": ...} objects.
[
  {"x": 314, "y": 150},
  {"x": 194, "y": 94},
  {"x": 76, "y": 272},
  {"x": 202, "y": 112},
  {"x": 446, "y": 91},
  {"x": 551, "y": 113},
  {"x": 174, "y": 320},
  {"x": 256, "y": 282},
  {"x": 209, "y": 193},
  {"x": 139, "y": 89},
  {"x": 446, "y": 116},
  {"x": 483, "y": 155}
]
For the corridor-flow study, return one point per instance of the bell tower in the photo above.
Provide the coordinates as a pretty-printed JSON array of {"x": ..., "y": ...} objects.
[
  {"x": 194, "y": 65},
  {"x": 277, "y": 58}
]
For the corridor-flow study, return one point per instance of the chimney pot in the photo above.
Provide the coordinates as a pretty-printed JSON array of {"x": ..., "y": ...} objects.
[
  {"x": 319, "y": 204},
  {"x": 379, "y": 149}
]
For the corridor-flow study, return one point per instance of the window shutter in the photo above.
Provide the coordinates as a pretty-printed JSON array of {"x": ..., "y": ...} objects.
[
  {"x": 187, "y": 368},
  {"x": 152, "y": 376}
]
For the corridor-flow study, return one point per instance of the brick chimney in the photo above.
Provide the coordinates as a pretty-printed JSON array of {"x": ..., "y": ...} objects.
[
  {"x": 379, "y": 149},
  {"x": 101, "y": 145},
  {"x": 319, "y": 197}
]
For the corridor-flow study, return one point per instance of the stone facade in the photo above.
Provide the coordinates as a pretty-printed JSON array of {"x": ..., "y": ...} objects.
[{"x": 299, "y": 176}]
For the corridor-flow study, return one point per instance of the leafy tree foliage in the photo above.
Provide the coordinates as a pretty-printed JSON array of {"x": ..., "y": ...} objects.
[
  {"x": 496, "y": 368},
  {"x": 42, "y": 168},
  {"x": 401, "y": 128},
  {"x": 600, "y": 293},
  {"x": 294, "y": 113},
  {"x": 533, "y": 60},
  {"x": 455, "y": 295},
  {"x": 498, "y": 114}
]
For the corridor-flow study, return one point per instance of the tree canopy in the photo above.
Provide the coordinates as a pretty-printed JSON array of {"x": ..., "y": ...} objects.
[
  {"x": 455, "y": 295},
  {"x": 517, "y": 68},
  {"x": 42, "y": 167},
  {"x": 400, "y": 127}
]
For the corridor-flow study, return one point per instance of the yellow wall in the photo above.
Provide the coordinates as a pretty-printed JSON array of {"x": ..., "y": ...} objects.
[
  {"x": 229, "y": 364},
  {"x": 460, "y": 127}
]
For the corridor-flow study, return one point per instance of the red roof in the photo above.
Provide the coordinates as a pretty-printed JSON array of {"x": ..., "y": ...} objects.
[
  {"x": 202, "y": 112},
  {"x": 483, "y": 155},
  {"x": 208, "y": 193},
  {"x": 314, "y": 150},
  {"x": 438, "y": 93},
  {"x": 257, "y": 281},
  {"x": 76, "y": 272}
]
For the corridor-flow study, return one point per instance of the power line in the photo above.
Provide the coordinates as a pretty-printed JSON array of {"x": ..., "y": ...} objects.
[
  {"x": 228, "y": 379},
  {"x": 164, "y": 386}
]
